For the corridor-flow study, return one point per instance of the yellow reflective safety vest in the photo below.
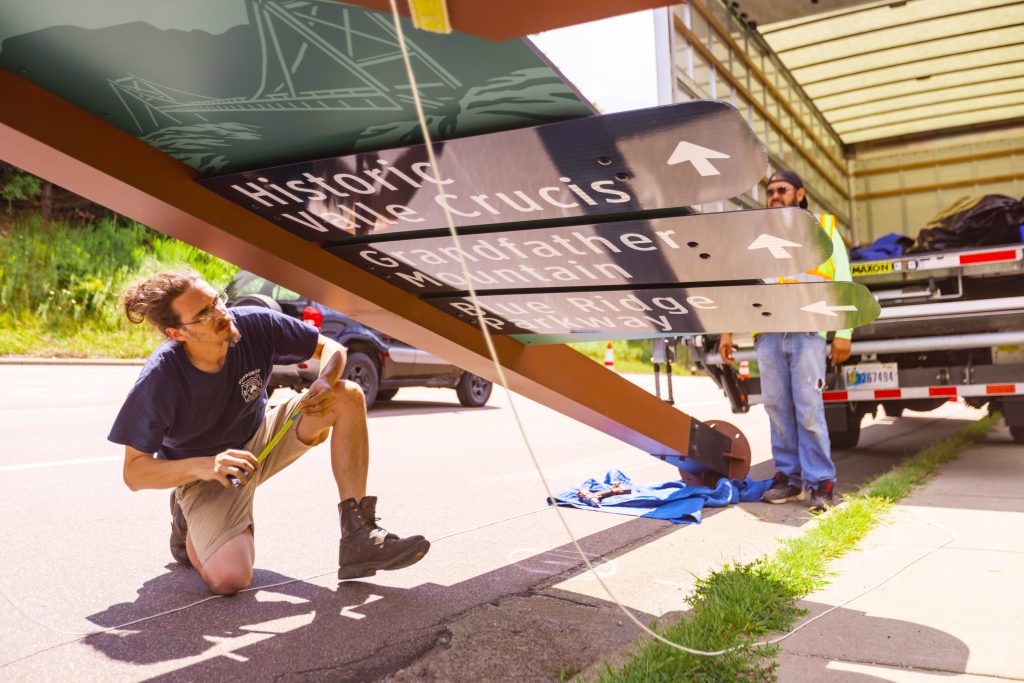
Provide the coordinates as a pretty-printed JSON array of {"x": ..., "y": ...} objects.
[
  {"x": 836, "y": 268},
  {"x": 826, "y": 272}
]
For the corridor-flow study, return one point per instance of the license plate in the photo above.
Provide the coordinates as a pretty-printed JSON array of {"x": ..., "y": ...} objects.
[
  {"x": 1008, "y": 355},
  {"x": 871, "y": 376}
]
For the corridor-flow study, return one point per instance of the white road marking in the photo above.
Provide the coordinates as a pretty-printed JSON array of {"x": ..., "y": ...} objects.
[
  {"x": 58, "y": 463},
  {"x": 45, "y": 409}
]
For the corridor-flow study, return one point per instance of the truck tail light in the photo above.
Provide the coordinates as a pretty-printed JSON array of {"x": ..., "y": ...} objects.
[{"x": 313, "y": 317}]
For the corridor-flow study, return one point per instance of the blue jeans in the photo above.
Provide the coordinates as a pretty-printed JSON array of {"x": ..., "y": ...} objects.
[{"x": 792, "y": 368}]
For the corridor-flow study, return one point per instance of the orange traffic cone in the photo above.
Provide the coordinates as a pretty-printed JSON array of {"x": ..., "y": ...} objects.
[
  {"x": 745, "y": 369},
  {"x": 609, "y": 357}
]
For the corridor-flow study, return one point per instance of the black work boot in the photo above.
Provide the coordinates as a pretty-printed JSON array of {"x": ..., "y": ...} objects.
[
  {"x": 821, "y": 496},
  {"x": 782, "y": 491},
  {"x": 179, "y": 529},
  {"x": 365, "y": 547}
]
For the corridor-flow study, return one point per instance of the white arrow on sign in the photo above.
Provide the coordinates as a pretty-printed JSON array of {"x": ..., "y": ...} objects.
[
  {"x": 776, "y": 245},
  {"x": 696, "y": 155},
  {"x": 823, "y": 308}
]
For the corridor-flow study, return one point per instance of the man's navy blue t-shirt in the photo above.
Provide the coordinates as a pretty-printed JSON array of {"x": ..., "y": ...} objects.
[{"x": 178, "y": 411}]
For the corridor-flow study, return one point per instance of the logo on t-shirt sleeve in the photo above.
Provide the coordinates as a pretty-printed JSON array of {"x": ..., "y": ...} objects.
[{"x": 252, "y": 385}]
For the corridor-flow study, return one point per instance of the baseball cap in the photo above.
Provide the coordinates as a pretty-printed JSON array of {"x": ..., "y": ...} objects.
[{"x": 791, "y": 178}]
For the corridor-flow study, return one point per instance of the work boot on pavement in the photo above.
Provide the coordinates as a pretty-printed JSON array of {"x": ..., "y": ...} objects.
[
  {"x": 179, "y": 529},
  {"x": 365, "y": 547},
  {"x": 782, "y": 491},
  {"x": 821, "y": 496}
]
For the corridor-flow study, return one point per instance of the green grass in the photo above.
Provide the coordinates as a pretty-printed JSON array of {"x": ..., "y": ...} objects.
[
  {"x": 60, "y": 285},
  {"x": 734, "y": 607},
  {"x": 633, "y": 355}
]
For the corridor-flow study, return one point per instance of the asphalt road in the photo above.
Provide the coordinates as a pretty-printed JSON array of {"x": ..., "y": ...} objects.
[{"x": 90, "y": 592}]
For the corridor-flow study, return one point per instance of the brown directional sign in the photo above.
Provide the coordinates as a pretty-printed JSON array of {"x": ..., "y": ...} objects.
[
  {"x": 735, "y": 245},
  {"x": 559, "y": 317},
  {"x": 665, "y": 157}
]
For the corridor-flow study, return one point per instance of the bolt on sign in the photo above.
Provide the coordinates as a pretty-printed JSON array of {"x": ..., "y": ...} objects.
[
  {"x": 571, "y": 231},
  {"x": 616, "y": 164}
]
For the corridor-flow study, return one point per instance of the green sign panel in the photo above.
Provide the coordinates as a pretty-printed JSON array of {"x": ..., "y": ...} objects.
[{"x": 226, "y": 85}]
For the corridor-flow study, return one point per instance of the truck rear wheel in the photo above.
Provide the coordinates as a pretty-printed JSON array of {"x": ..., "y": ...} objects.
[
  {"x": 893, "y": 408},
  {"x": 849, "y": 437},
  {"x": 1017, "y": 433}
]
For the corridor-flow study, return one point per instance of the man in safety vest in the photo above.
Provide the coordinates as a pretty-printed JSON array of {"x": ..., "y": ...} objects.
[{"x": 792, "y": 368}]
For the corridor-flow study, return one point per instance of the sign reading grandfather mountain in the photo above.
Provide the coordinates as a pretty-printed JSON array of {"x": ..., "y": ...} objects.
[
  {"x": 664, "y": 157},
  {"x": 564, "y": 316},
  {"x": 720, "y": 246}
]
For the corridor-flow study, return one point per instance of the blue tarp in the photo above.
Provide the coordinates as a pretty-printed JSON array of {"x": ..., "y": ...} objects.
[
  {"x": 671, "y": 500},
  {"x": 886, "y": 246}
]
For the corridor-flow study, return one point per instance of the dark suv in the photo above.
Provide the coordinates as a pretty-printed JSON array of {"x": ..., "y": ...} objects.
[{"x": 380, "y": 364}]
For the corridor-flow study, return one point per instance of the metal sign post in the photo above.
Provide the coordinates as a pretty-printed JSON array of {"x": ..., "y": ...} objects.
[{"x": 663, "y": 352}]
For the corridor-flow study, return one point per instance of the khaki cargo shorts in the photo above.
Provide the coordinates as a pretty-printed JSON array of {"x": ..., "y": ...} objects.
[{"x": 215, "y": 514}]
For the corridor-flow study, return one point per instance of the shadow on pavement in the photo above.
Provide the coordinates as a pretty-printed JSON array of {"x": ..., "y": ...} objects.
[
  {"x": 884, "y": 444},
  {"x": 361, "y": 631},
  {"x": 356, "y": 631},
  {"x": 832, "y": 649},
  {"x": 295, "y": 627}
]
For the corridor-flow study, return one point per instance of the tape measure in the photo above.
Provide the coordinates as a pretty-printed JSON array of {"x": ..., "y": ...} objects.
[{"x": 292, "y": 419}]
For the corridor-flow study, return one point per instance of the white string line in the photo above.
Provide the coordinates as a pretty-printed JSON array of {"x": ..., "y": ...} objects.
[
  {"x": 82, "y": 635},
  {"x": 952, "y": 537},
  {"x": 502, "y": 380},
  {"x": 428, "y": 143},
  {"x": 86, "y": 634},
  {"x": 501, "y": 376}
]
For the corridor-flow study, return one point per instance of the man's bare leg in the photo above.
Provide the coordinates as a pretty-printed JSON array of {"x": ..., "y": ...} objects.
[
  {"x": 365, "y": 548},
  {"x": 350, "y": 443},
  {"x": 229, "y": 569}
]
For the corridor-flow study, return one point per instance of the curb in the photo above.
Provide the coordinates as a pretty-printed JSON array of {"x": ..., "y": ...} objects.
[{"x": 15, "y": 360}]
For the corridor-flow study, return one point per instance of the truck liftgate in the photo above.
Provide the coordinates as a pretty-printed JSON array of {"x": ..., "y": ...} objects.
[{"x": 283, "y": 146}]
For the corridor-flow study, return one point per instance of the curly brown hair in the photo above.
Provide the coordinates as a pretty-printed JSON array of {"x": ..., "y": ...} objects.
[{"x": 151, "y": 298}]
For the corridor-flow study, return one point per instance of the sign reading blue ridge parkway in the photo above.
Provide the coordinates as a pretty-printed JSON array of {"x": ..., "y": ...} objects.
[
  {"x": 664, "y": 157},
  {"x": 736, "y": 245},
  {"x": 797, "y": 307}
]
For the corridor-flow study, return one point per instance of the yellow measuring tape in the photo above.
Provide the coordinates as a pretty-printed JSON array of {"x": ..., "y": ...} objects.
[{"x": 292, "y": 419}]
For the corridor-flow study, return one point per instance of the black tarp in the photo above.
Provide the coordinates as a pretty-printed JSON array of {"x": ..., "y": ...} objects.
[{"x": 973, "y": 221}]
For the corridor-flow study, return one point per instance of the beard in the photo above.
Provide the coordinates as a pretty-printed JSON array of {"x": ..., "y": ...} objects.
[{"x": 234, "y": 335}]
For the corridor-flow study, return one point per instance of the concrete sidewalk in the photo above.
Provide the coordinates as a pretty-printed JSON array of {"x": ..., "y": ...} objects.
[
  {"x": 940, "y": 580},
  {"x": 943, "y": 577}
]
